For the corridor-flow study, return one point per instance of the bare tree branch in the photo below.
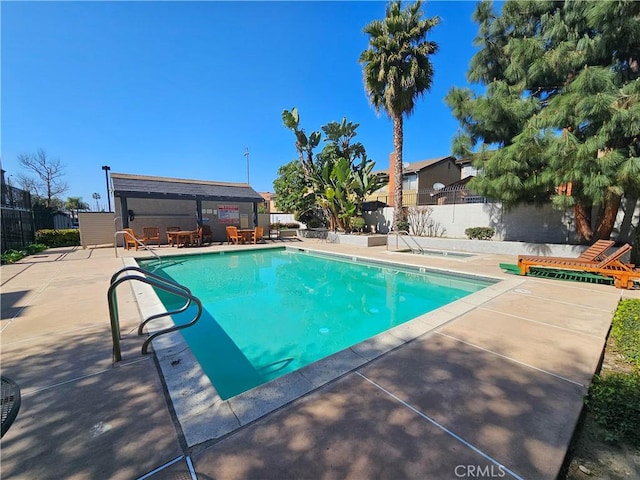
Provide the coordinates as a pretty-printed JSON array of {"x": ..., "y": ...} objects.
[{"x": 49, "y": 173}]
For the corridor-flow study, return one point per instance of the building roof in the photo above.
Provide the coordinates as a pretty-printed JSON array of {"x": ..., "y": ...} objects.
[
  {"x": 140, "y": 186},
  {"x": 418, "y": 166}
]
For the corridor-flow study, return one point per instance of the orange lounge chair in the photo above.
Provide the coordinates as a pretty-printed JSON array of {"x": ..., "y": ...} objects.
[
  {"x": 623, "y": 273},
  {"x": 592, "y": 254},
  {"x": 596, "y": 251}
]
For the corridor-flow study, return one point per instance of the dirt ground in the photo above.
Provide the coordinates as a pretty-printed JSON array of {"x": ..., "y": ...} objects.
[{"x": 590, "y": 457}]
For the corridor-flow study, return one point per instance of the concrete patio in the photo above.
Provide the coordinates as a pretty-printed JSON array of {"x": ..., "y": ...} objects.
[{"x": 495, "y": 391}]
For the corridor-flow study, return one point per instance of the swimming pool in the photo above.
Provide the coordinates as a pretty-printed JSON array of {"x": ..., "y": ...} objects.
[{"x": 271, "y": 312}]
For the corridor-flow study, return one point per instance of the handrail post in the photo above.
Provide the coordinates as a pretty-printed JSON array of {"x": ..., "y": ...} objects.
[
  {"x": 151, "y": 279},
  {"x": 139, "y": 242},
  {"x": 115, "y": 323},
  {"x": 399, "y": 234}
]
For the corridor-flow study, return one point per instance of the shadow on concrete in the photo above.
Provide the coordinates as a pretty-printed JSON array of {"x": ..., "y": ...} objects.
[
  {"x": 351, "y": 428},
  {"x": 9, "y": 302},
  {"x": 80, "y": 416}
]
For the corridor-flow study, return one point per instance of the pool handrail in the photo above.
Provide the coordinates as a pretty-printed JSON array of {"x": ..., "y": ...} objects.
[
  {"x": 157, "y": 277},
  {"x": 137, "y": 240},
  {"x": 154, "y": 281},
  {"x": 401, "y": 234}
]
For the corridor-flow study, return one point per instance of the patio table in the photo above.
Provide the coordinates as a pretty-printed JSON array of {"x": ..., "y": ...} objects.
[
  {"x": 9, "y": 403},
  {"x": 246, "y": 233},
  {"x": 184, "y": 237}
]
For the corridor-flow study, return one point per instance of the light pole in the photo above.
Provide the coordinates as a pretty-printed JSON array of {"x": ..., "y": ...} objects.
[
  {"x": 106, "y": 169},
  {"x": 246, "y": 154}
]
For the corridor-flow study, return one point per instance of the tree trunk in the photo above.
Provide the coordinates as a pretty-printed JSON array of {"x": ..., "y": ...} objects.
[
  {"x": 582, "y": 214},
  {"x": 398, "y": 211},
  {"x": 608, "y": 219},
  {"x": 635, "y": 240}
]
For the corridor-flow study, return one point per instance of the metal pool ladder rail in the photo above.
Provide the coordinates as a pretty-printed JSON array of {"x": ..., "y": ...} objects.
[
  {"x": 401, "y": 234},
  {"x": 137, "y": 240},
  {"x": 154, "y": 280}
]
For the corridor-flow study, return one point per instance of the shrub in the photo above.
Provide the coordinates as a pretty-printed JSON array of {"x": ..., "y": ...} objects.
[
  {"x": 614, "y": 400},
  {"x": 12, "y": 256},
  {"x": 283, "y": 226},
  {"x": 316, "y": 222},
  {"x": 403, "y": 225},
  {"x": 422, "y": 224},
  {"x": 34, "y": 248},
  {"x": 357, "y": 224},
  {"x": 59, "y": 238},
  {"x": 481, "y": 233},
  {"x": 313, "y": 217},
  {"x": 626, "y": 330}
]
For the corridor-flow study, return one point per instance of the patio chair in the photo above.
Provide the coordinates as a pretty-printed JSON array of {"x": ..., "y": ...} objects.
[
  {"x": 623, "y": 274},
  {"x": 150, "y": 234},
  {"x": 171, "y": 239},
  {"x": 274, "y": 234},
  {"x": 130, "y": 238},
  {"x": 257, "y": 235},
  {"x": 233, "y": 235},
  {"x": 205, "y": 235}
]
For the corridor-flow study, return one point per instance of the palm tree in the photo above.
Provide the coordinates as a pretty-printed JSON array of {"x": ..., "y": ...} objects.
[
  {"x": 397, "y": 70},
  {"x": 74, "y": 205},
  {"x": 96, "y": 197}
]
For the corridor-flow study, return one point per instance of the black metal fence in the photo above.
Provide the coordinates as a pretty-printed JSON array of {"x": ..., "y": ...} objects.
[
  {"x": 17, "y": 219},
  {"x": 451, "y": 195}
]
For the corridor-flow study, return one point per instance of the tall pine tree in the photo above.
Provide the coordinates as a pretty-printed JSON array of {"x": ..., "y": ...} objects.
[{"x": 559, "y": 118}]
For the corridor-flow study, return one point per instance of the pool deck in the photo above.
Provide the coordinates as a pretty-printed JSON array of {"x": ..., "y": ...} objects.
[{"x": 494, "y": 391}]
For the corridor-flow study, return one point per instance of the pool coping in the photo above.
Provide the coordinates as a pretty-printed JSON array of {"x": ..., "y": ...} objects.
[{"x": 203, "y": 416}]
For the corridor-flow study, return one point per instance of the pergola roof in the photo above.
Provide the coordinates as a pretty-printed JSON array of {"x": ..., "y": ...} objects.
[{"x": 140, "y": 186}]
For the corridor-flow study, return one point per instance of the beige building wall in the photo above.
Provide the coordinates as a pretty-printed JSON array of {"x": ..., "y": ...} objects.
[
  {"x": 218, "y": 215},
  {"x": 182, "y": 214},
  {"x": 149, "y": 212},
  {"x": 96, "y": 228},
  {"x": 444, "y": 172}
]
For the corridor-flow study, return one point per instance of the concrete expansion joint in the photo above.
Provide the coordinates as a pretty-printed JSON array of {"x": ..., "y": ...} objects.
[
  {"x": 560, "y": 377},
  {"x": 443, "y": 428},
  {"x": 551, "y": 325}
]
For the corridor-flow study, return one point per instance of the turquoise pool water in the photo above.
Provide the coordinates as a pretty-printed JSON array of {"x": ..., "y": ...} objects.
[{"x": 270, "y": 312}]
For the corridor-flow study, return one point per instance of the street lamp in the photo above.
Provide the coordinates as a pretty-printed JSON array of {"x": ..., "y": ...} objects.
[
  {"x": 106, "y": 169},
  {"x": 246, "y": 154}
]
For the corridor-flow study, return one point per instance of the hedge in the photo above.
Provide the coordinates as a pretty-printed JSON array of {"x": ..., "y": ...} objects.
[
  {"x": 481, "y": 233},
  {"x": 59, "y": 238}
]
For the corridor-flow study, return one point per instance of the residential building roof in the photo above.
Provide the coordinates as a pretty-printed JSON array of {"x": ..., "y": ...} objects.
[
  {"x": 416, "y": 167},
  {"x": 140, "y": 186}
]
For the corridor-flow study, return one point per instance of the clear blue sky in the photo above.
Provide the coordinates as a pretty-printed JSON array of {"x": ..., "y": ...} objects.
[{"x": 181, "y": 89}]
